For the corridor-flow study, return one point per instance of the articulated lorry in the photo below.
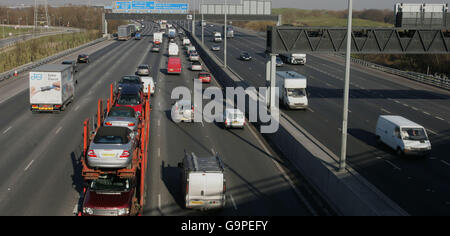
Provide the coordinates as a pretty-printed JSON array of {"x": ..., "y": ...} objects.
[
  {"x": 294, "y": 58},
  {"x": 292, "y": 87},
  {"x": 52, "y": 87}
]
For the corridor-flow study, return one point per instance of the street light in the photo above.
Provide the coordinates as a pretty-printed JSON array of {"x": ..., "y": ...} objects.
[{"x": 342, "y": 161}]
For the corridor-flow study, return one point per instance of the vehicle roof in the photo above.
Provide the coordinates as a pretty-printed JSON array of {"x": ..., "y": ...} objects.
[
  {"x": 52, "y": 68},
  {"x": 146, "y": 78},
  {"x": 207, "y": 164},
  {"x": 113, "y": 131},
  {"x": 232, "y": 110},
  {"x": 290, "y": 75},
  {"x": 130, "y": 89},
  {"x": 174, "y": 59},
  {"x": 400, "y": 121}
]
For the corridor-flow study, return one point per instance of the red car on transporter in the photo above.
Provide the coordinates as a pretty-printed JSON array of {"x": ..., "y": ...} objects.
[{"x": 204, "y": 77}]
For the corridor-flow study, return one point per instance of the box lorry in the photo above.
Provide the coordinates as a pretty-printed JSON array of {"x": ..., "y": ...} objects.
[
  {"x": 230, "y": 31},
  {"x": 203, "y": 183},
  {"x": 173, "y": 49},
  {"x": 294, "y": 58},
  {"x": 172, "y": 33},
  {"x": 124, "y": 32},
  {"x": 52, "y": 87},
  {"x": 292, "y": 87},
  {"x": 157, "y": 38},
  {"x": 404, "y": 136},
  {"x": 217, "y": 37}
]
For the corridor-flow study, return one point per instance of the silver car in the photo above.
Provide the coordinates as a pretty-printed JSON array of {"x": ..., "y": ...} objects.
[
  {"x": 143, "y": 70},
  {"x": 215, "y": 48},
  {"x": 197, "y": 66},
  {"x": 122, "y": 117},
  {"x": 112, "y": 147},
  {"x": 194, "y": 57}
]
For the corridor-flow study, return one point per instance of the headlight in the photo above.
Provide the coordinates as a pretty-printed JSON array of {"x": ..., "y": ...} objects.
[
  {"x": 87, "y": 210},
  {"x": 123, "y": 211}
]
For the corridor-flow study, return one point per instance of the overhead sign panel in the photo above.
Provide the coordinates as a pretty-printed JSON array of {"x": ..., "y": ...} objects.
[
  {"x": 149, "y": 7},
  {"x": 246, "y": 7}
]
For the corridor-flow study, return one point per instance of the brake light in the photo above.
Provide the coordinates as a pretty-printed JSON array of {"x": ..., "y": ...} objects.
[
  {"x": 226, "y": 122},
  {"x": 224, "y": 187},
  {"x": 125, "y": 154},
  {"x": 91, "y": 153},
  {"x": 187, "y": 187},
  {"x": 108, "y": 123},
  {"x": 131, "y": 124}
]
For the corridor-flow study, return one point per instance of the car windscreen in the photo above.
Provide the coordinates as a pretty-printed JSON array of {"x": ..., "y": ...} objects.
[
  {"x": 413, "y": 134},
  {"x": 111, "y": 184},
  {"x": 196, "y": 63},
  {"x": 110, "y": 139},
  {"x": 143, "y": 67},
  {"x": 235, "y": 116},
  {"x": 128, "y": 100},
  {"x": 204, "y": 75},
  {"x": 122, "y": 113}
]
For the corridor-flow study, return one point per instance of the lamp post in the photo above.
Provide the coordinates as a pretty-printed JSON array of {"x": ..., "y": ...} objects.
[
  {"x": 203, "y": 29},
  {"x": 225, "y": 37},
  {"x": 342, "y": 161}
]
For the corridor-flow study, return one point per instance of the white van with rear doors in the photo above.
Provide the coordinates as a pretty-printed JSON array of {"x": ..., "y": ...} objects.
[{"x": 403, "y": 135}]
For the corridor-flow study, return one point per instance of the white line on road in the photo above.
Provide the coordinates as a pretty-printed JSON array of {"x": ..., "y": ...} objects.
[
  {"x": 426, "y": 113},
  {"x": 431, "y": 131},
  {"x": 6, "y": 131},
  {"x": 445, "y": 162},
  {"x": 59, "y": 129},
  {"x": 386, "y": 111},
  {"x": 77, "y": 107},
  {"x": 233, "y": 202},
  {"x": 309, "y": 109},
  {"x": 28, "y": 166},
  {"x": 159, "y": 202},
  {"x": 159, "y": 152},
  {"x": 439, "y": 118},
  {"x": 393, "y": 165}
]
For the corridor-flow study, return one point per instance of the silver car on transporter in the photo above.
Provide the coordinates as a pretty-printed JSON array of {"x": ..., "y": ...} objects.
[
  {"x": 112, "y": 147},
  {"x": 122, "y": 117}
]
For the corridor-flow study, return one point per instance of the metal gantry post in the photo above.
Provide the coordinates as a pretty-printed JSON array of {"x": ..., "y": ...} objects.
[
  {"x": 203, "y": 28},
  {"x": 273, "y": 69},
  {"x": 342, "y": 161},
  {"x": 225, "y": 37},
  {"x": 268, "y": 76}
]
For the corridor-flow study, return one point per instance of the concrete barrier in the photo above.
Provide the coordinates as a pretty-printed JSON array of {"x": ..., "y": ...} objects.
[{"x": 346, "y": 191}]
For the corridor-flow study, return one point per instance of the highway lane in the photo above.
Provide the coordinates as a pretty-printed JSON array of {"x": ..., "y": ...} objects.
[
  {"x": 40, "y": 169},
  {"x": 372, "y": 93},
  {"x": 40, "y": 174},
  {"x": 255, "y": 184}
]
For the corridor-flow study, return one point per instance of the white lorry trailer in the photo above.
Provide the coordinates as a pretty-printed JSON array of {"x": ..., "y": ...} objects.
[
  {"x": 294, "y": 58},
  {"x": 173, "y": 49},
  {"x": 157, "y": 38},
  {"x": 203, "y": 182},
  {"x": 292, "y": 87},
  {"x": 52, "y": 87}
]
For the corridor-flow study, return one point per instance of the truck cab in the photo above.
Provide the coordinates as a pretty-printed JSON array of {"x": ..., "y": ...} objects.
[
  {"x": 109, "y": 196},
  {"x": 292, "y": 89}
]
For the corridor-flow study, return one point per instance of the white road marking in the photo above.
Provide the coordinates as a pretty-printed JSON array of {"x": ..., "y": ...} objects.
[
  {"x": 386, "y": 111},
  {"x": 59, "y": 129},
  {"x": 28, "y": 166},
  {"x": 233, "y": 202},
  {"x": 6, "y": 131},
  {"x": 159, "y": 123},
  {"x": 414, "y": 108},
  {"x": 448, "y": 164},
  {"x": 212, "y": 150},
  {"x": 439, "y": 118},
  {"x": 431, "y": 131},
  {"x": 393, "y": 165},
  {"x": 77, "y": 107},
  {"x": 426, "y": 113},
  {"x": 309, "y": 109},
  {"x": 159, "y": 202},
  {"x": 159, "y": 152}
]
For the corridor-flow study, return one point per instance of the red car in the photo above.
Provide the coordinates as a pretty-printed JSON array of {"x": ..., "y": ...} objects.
[
  {"x": 174, "y": 65},
  {"x": 204, "y": 77},
  {"x": 131, "y": 96},
  {"x": 109, "y": 196}
]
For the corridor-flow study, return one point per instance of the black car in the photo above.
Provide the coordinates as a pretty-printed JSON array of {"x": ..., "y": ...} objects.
[
  {"x": 130, "y": 80},
  {"x": 245, "y": 56},
  {"x": 74, "y": 65},
  {"x": 83, "y": 58}
]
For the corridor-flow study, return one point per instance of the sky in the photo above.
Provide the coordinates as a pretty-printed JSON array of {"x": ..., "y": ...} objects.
[{"x": 302, "y": 4}]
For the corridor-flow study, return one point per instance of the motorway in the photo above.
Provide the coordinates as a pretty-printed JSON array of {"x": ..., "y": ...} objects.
[
  {"x": 40, "y": 170},
  {"x": 421, "y": 186}
]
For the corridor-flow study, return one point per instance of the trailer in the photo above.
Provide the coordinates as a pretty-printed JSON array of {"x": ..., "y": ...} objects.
[
  {"x": 129, "y": 183},
  {"x": 51, "y": 87},
  {"x": 124, "y": 32}
]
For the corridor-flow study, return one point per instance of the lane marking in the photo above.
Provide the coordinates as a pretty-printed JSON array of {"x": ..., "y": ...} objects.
[
  {"x": 59, "y": 129},
  {"x": 233, "y": 202},
  {"x": 77, "y": 107},
  {"x": 28, "y": 166},
  {"x": 426, "y": 113},
  {"x": 439, "y": 118},
  {"x": 6, "y": 131},
  {"x": 393, "y": 165},
  {"x": 448, "y": 164},
  {"x": 384, "y": 110},
  {"x": 159, "y": 202},
  {"x": 159, "y": 152},
  {"x": 431, "y": 131}
]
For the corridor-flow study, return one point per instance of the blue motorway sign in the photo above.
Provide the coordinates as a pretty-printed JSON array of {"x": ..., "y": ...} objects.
[{"x": 150, "y": 5}]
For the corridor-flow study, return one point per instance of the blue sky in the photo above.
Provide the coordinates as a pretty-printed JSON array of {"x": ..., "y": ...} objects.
[{"x": 303, "y": 4}]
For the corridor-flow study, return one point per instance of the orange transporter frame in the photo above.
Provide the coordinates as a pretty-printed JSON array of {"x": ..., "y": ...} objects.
[{"x": 140, "y": 154}]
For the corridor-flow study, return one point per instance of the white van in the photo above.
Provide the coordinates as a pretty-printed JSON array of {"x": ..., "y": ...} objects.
[
  {"x": 292, "y": 89},
  {"x": 148, "y": 81},
  {"x": 202, "y": 182},
  {"x": 403, "y": 135},
  {"x": 173, "y": 49}
]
